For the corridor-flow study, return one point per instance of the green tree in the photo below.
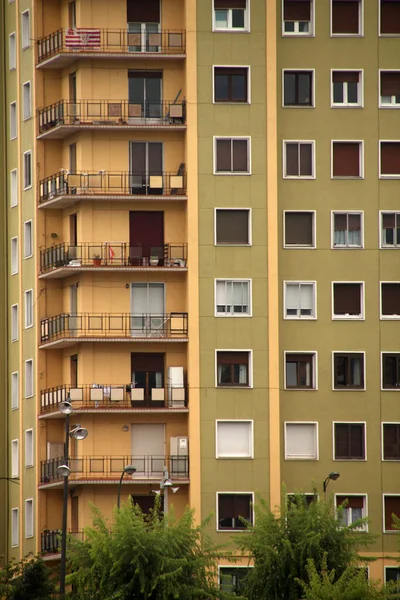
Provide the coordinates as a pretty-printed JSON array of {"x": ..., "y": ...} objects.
[{"x": 28, "y": 579}]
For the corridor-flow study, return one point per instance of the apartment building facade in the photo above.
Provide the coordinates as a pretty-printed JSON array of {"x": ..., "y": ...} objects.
[{"x": 202, "y": 228}]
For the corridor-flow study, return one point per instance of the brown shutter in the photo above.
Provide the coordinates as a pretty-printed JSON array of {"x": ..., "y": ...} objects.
[
  {"x": 341, "y": 440},
  {"x": 391, "y": 298},
  {"x": 240, "y": 163},
  {"x": 299, "y": 358},
  {"x": 292, "y": 159},
  {"x": 351, "y": 501},
  {"x": 139, "y": 11},
  {"x": 340, "y": 222},
  {"x": 354, "y": 222},
  {"x": 388, "y": 220},
  {"x": 232, "y": 226},
  {"x": 345, "y": 76},
  {"x": 346, "y": 298},
  {"x": 298, "y": 228},
  {"x": 390, "y": 158},
  {"x": 223, "y": 155},
  {"x": 390, "y": 16},
  {"x": 357, "y": 441},
  {"x": 232, "y": 358},
  {"x": 223, "y": 4},
  {"x": 346, "y": 159},
  {"x": 297, "y": 10},
  {"x": 390, "y": 83},
  {"x": 392, "y": 506},
  {"x": 145, "y": 74},
  {"x": 345, "y": 16},
  {"x": 147, "y": 361},
  {"x": 391, "y": 436}
]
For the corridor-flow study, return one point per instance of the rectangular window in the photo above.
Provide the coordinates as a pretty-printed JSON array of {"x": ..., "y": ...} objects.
[
  {"x": 298, "y": 160},
  {"x": 349, "y": 441},
  {"x": 299, "y": 229},
  {"x": 26, "y": 96},
  {"x": 29, "y": 378},
  {"x": 14, "y": 527},
  {"x": 390, "y": 159},
  {"x": 232, "y": 509},
  {"x": 26, "y": 29},
  {"x": 28, "y": 308},
  {"x": 14, "y": 323},
  {"x": 390, "y": 17},
  {"x": 14, "y": 458},
  {"x": 348, "y": 300},
  {"x": 348, "y": 371},
  {"x": 390, "y": 89},
  {"x": 299, "y": 500},
  {"x": 14, "y": 256},
  {"x": 301, "y": 441},
  {"x": 347, "y": 230},
  {"x": 391, "y": 441},
  {"x": 14, "y": 390},
  {"x": 234, "y": 439},
  {"x": 391, "y": 507},
  {"x": 392, "y": 574},
  {"x": 28, "y": 249},
  {"x": 300, "y": 371},
  {"x": 232, "y": 227},
  {"x": 346, "y": 17},
  {"x": 230, "y": 15},
  {"x": 27, "y": 170},
  {"x": 347, "y": 159},
  {"x": 12, "y": 50},
  {"x": 353, "y": 509},
  {"x": 390, "y": 230},
  {"x": 297, "y": 17},
  {"x": 29, "y": 518},
  {"x": 390, "y": 371},
  {"x": 390, "y": 300},
  {"x": 232, "y": 298},
  {"x": 29, "y": 452},
  {"x": 231, "y": 84},
  {"x": 346, "y": 88},
  {"x": 13, "y": 120},
  {"x": 13, "y": 188},
  {"x": 298, "y": 88},
  {"x": 233, "y": 368},
  {"x": 232, "y": 156},
  {"x": 231, "y": 580},
  {"x": 299, "y": 300}
]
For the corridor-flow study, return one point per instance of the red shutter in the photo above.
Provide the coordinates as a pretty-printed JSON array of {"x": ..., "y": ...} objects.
[
  {"x": 297, "y": 10},
  {"x": 352, "y": 501},
  {"x": 346, "y": 159},
  {"x": 389, "y": 220},
  {"x": 390, "y": 158}
]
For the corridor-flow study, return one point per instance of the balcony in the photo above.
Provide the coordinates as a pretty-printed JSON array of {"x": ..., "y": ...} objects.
[
  {"x": 65, "y": 118},
  {"x": 113, "y": 398},
  {"x": 64, "y": 189},
  {"x": 50, "y": 540},
  {"x": 63, "y": 47},
  {"x": 108, "y": 469},
  {"x": 65, "y": 330}
]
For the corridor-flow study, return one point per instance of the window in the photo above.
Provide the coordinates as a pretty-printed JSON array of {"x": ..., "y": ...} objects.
[
  {"x": 299, "y": 229},
  {"x": 232, "y": 156},
  {"x": 14, "y": 390},
  {"x": 26, "y": 95},
  {"x": 348, "y": 371},
  {"x": 14, "y": 256},
  {"x": 14, "y": 527},
  {"x": 353, "y": 509},
  {"x": 390, "y": 371},
  {"x": 298, "y": 160},
  {"x": 231, "y": 84},
  {"x": 14, "y": 323},
  {"x": 348, "y": 300},
  {"x": 347, "y": 159},
  {"x": 28, "y": 308},
  {"x": 231, "y": 579},
  {"x": 390, "y": 159},
  {"x": 298, "y": 500},
  {"x": 346, "y": 17},
  {"x": 29, "y": 448},
  {"x": 29, "y": 378},
  {"x": 347, "y": 230},
  {"x": 12, "y": 51},
  {"x": 26, "y": 29},
  {"x": 299, "y": 300},
  {"x": 300, "y": 371},
  {"x": 391, "y": 507},
  {"x": 232, "y": 509},
  {"x": 390, "y": 230},
  {"x": 230, "y": 15},
  {"x": 14, "y": 458},
  {"x": 233, "y": 368},
  {"x": 392, "y": 574},
  {"x": 232, "y": 298},
  {"x": 27, "y": 170},
  {"x": 13, "y": 188},
  {"x": 301, "y": 441},
  {"x": 346, "y": 87},
  {"x": 390, "y": 89},
  {"x": 28, "y": 239},
  {"x": 349, "y": 441},
  {"x": 391, "y": 441},
  {"x": 13, "y": 120},
  {"x": 390, "y": 17},
  {"x": 298, "y": 88},
  {"x": 29, "y": 518},
  {"x": 234, "y": 439},
  {"x": 390, "y": 300},
  {"x": 232, "y": 226},
  {"x": 297, "y": 17}
]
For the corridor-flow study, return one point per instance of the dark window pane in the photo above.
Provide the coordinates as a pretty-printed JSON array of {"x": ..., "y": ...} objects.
[
  {"x": 223, "y": 155},
  {"x": 352, "y": 92},
  {"x": 297, "y": 10},
  {"x": 238, "y": 18},
  {"x": 338, "y": 96},
  {"x": 289, "y": 90},
  {"x": 299, "y": 88},
  {"x": 299, "y": 228},
  {"x": 305, "y": 160},
  {"x": 292, "y": 159},
  {"x": 239, "y": 88},
  {"x": 348, "y": 371},
  {"x": 240, "y": 156},
  {"x": 391, "y": 441},
  {"x": 221, "y": 87},
  {"x": 304, "y": 88},
  {"x": 390, "y": 371},
  {"x": 392, "y": 506},
  {"x": 390, "y": 158},
  {"x": 230, "y": 84},
  {"x": 347, "y": 298},
  {"x": 232, "y": 226},
  {"x": 232, "y": 508}
]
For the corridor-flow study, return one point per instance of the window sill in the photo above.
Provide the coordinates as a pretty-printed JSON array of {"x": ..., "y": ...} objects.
[
  {"x": 337, "y": 105},
  {"x": 348, "y": 389},
  {"x": 299, "y": 177},
  {"x": 290, "y": 247},
  {"x": 390, "y": 106},
  {"x": 235, "y": 316},
  {"x": 300, "y": 389},
  {"x": 29, "y": 187},
  {"x": 389, "y": 317},
  {"x": 298, "y": 35},
  {"x": 389, "y": 35},
  {"x": 286, "y": 318},
  {"x": 347, "y": 247},
  {"x": 232, "y": 102},
  {"x": 233, "y": 457},
  {"x": 235, "y": 174},
  {"x": 397, "y": 176},
  {"x": 230, "y": 30},
  {"x": 302, "y": 106},
  {"x": 233, "y": 387},
  {"x": 391, "y": 389},
  {"x": 226, "y": 245},
  {"x": 348, "y": 178},
  {"x": 301, "y": 458},
  {"x": 349, "y": 318},
  {"x": 350, "y": 459},
  {"x": 347, "y": 35}
]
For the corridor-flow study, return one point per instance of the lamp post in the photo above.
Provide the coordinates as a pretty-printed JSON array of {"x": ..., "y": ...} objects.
[
  {"x": 130, "y": 470},
  {"x": 79, "y": 433},
  {"x": 332, "y": 476}
]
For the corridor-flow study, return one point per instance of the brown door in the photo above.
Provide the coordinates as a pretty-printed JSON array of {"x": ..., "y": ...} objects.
[
  {"x": 73, "y": 361},
  {"x": 74, "y": 514},
  {"x": 146, "y": 235},
  {"x": 148, "y": 373}
]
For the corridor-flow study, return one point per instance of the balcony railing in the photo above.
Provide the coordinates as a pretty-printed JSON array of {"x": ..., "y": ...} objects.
[
  {"x": 111, "y": 41},
  {"x": 110, "y": 254},
  {"x": 111, "y": 113},
  {"x": 113, "y": 183},
  {"x": 112, "y": 396},
  {"x": 111, "y": 467},
  {"x": 51, "y": 540},
  {"x": 114, "y": 326}
]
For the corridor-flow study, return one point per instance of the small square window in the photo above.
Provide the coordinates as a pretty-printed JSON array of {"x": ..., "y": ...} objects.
[
  {"x": 14, "y": 527},
  {"x": 231, "y": 580},
  {"x": 353, "y": 509},
  {"x": 28, "y": 308},
  {"x": 299, "y": 229},
  {"x": 231, "y": 84},
  {"x": 392, "y": 574},
  {"x": 390, "y": 17},
  {"x": 233, "y": 368},
  {"x": 347, "y": 230},
  {"x": 234, "y": 439},
  {"x": 298, "y": 160},
  {"x": 348, "y": 370},
  {"x": 29, "y": 450},
  {"x": 28, "y": 249},
  {"x": 348, "y": 300},
  {"x": 346, "y": 17},
  {"x": 14, "y": 390},
  {"x": 232, "y": 227},
  {"x": 349, "y": 441},
  {"x": 13, "y": 188},
  {"x": 29, "y": 518},
  {"x": 346, "y": 88},
  {"x": 26, "y": 29},
  {"x": 29, "y": 378},
  {"x": 390, "y": 89},
  {"x": 390, "y": 300},
  {"x": 390, "y": 160},
  {"x": 297, "y": 17},
  {"x": 300, "y": 371},
  {"x": 232, "y": 298},
  {"x": 390, "y": 230},
  {"x": 391, "y": 507},
  {"x": 14, "y": 323},
  {"x": 27, "y": 170},
  {"x": 233, "y": 509},
  {"x": 231, "y": 15},
  {"x": 390, "y": 371},
  {"x": 27, "y": 104},
  {"x": 299, "y": 300},
  {"x": 232, "y": 156},
  {"x": 13, "y": 120},
  {"x": 347, "y": 160},
  {"x": 12, "y": 50},
  {"x": 391, "y": 441},
  {"x": 298, "y": 88},
  {"x": 301, "y": 441}
]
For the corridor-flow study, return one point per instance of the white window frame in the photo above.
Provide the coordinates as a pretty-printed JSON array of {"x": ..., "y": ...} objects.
[
  {"x": 12, "y": 51},
  {"x": 348, "y": 317},
  {"x": 388, "y": 460},
  {"x": 347, "y": 390},
  {"x": 14, "y": 527},
  {"x": 25, "y": 29},
  {"x": 381, "y": 316},
  {"x": 250, "y": 424},
  {"x": 27, "y": 100},
  {"x": 232, "y": 566},
  {"x": 382, "y": 246},
  {"x": 297, "y": 33},
  {"x": 347, "y": 246},
  {"x": 29, "y": 527},
  {"x": 360, "y": 22},
  {"x": 250, "y": 226},
  {"x": 233, "y": 138},
  {"x": 313, "y": 90},
  {"x": 314, "y": 386},
  {"x": 248, "y": 67},
  {"x": 28, "y": 185},
  {"x": 394, "y": 175},
  {"x": 391, "y": 567},
  {"x": 313, "y": 160},
  {"x": 249, "y": 366},
  {"x": 233, "y": 314},
  {"x": 14, "y": 459},
  {"x": 29, "y": 449},
  {"x": 14, "y": 255},
  {"x": 13, "y": 188},
  {"x": 224, "y": 493},
  {"x": 349, "y": 460},
  {"x": 13, "y": 120},
  {"x": 15, "y": 390},
  {"x": 390, "y": 531},
  {"x": 316, "y": 440},
  {"x": 360, "y": 161},
  {"x": 28, "y": 239},
  {"x": 28, "y": 317},
  {"x": 364, "y": 508},
  {"x": 228, "y": 29},
  {"x": 360, "y": 89},
  {"x": 312, "y": 317},
  {"x": 14, "y": 323},
  {"x": 314, "y": 230},
  {"x": 29, "y": 393},
  {"x": 393, "y": 104}
]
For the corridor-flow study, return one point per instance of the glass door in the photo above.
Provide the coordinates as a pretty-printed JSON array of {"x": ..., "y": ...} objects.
[
  {"x": 144, "y": 34},
  {"x": 146, "y": 167},
  {"x": 145, "y": 94},
  {"x": 147, "y": 309}
]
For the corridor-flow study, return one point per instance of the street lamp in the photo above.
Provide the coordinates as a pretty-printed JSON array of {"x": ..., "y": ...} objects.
[
  {"x": 166, "y": 484},
  {"x": 130, "y": 470},
  {"x": 332, "y": 476},
  {"x": 63, "y": 470}
]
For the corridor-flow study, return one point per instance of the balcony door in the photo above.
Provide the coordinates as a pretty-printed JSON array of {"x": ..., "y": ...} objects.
[
  {"x": 146, "y": 167},
  {"x": 147, "y": 310},
  {"x": 145, "y": 94},
  {"x": 148, "y": 375},
  {"x": 143, "y": 25},
  {"x": 148, "y": 449},
  {"x": 146, "y": 233}
]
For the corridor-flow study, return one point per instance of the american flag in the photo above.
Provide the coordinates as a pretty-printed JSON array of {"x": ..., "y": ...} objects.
[{"x": 77, "y": 38}]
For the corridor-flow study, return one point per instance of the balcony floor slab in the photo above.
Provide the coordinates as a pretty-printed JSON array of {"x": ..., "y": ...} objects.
[
  {"x": 111, "y": 481},
  {"x": 118, "y": 411},
  {"x": 61, "y": 132},
  {"x": 71, "y": 341},
  {"x": 62, "y": 272},
  {"x": 68, "y": 200},
  {"x": 65, "y": 59}
]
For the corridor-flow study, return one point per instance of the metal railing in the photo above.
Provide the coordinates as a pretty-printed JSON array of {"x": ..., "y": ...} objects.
[
  {"x": 51, "y": 540},
  {"x": 113, "y": 183},
  {"x": 111, "y": 113},
  {"x": 111, "y": 467},
  {"x": 94, "y": 396},
  {"x": 114, "y": 326},
  {"x": 111, "y": 41},
  {"x": 112, "y": 254}
]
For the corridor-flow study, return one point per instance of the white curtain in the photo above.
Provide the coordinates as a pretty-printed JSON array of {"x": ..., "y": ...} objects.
[
  {"x": 243, "y": 374},
  {"x": 340, "y": 237},
  {"x": 219, "y": 373},
  {"x": 356, "y": 371},
  {"x": 158, "y": 380},
  {"x": 234, "y": 438},
  {"x": 306, "y": 298},
  {"x": 354, "y": 237}
]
